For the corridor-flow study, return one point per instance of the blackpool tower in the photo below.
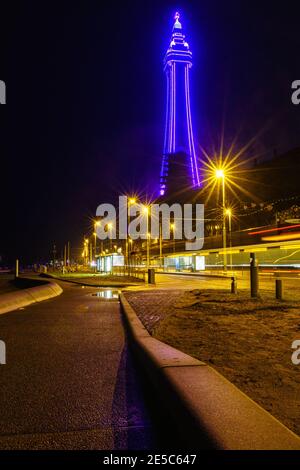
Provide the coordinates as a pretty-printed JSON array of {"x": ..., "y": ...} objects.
[{"x": 179, "y": 138}]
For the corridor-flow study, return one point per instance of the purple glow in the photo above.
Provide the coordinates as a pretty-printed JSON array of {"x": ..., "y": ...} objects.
[
  {"x": 178, "y": 138},
  {"x": 174, "y": 107}
]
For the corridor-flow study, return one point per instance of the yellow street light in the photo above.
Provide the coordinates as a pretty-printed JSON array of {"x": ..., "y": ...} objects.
[{"x": 219, "y": 173}]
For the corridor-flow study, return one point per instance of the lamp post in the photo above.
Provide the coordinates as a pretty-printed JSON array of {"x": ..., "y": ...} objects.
[
  {"x": 160, "y": 243},
  {"x": 146, "y": 212},
  {"x": 86, "y": 251},
  {"x": 173, "y": 230},
  {"x": 130, "y": 245},
  {"x": 129, "y": 241},
  {"x": 110, "y": 226},
  {"x": 229, "y": 215},
  {"x": 220, "y": 175},
  {"x": 96, "y": 224}
]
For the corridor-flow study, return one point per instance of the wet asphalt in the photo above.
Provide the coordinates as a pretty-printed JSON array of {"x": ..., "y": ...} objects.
[{"x": 71, "y": 382}]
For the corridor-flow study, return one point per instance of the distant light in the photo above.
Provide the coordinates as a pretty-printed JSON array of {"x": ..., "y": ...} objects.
[
  {"x": 132, "y": 200},
  {"x": 281, "y": 238},
  {"x": 228, "y": 212},
  {"x": 277, "y": 229}
]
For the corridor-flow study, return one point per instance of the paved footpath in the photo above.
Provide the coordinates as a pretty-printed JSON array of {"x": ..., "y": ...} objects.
[{"x": 69, "y": 381}]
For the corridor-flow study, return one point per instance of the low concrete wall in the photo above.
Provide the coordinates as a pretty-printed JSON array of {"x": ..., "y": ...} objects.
[
  {"x": 208, "y": 410},
  {"x": 26, "y": 296}
]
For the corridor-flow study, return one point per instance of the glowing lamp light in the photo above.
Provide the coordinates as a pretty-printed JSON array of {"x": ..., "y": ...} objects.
[
  {"x": 228, "y": 212},
  {"x": 219, "y": 173}
]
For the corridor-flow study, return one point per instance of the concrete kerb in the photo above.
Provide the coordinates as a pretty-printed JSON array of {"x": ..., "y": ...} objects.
[
  {"x": 208, "y": 410},
  {"x": 24, "y": 297}
]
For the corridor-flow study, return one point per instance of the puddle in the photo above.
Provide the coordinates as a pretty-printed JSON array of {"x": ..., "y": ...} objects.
[{"x": 108, "y": 294}]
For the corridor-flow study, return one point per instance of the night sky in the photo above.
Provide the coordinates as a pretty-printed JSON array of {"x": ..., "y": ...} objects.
[{"x": 85, "y": 109}]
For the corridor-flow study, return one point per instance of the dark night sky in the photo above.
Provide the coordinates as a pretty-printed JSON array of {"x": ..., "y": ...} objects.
[{"x": 85, "y": 101}]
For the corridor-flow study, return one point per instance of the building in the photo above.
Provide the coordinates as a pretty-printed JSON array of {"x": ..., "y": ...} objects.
[{"x": 179, "y": 162}]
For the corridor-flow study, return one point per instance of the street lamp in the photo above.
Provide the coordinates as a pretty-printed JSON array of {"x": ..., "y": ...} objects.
[
  {"x": 173, "y": 230},
  {"x": 228, "y": 213},
  {"x": 110, "y": 226},
  {"x": 95, "y": 238},
  {"x": 220, "y": 175},
  {"x": 160, "y": 242},
  {"x": 97, "y": 223},
  {"x": 146, "y": 212},
  {"x": 86, "y": 250},
  {"x": 130, "y": 202}
]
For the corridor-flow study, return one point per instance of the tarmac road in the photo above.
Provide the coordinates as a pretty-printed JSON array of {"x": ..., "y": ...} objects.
[{"x": 70, "y": 381}]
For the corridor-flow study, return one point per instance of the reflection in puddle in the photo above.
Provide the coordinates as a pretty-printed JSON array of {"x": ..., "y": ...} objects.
[{"x": 108, "y": 294}]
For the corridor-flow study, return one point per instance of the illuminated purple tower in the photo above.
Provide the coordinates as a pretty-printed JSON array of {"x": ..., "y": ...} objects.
[{"x": 179, "y": 139}]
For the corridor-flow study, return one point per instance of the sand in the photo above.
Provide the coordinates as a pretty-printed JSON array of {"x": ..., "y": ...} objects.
[{"x": 248, "y": 341}]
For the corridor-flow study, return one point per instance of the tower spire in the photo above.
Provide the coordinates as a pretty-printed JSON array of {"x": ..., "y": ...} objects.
[{"x": 177, "y": 24}]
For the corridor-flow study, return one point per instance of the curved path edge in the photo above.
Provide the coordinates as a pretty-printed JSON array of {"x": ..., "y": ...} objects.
[
  {"x": 208, "y": 410},
  {"x": 23, "y": 297}
]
